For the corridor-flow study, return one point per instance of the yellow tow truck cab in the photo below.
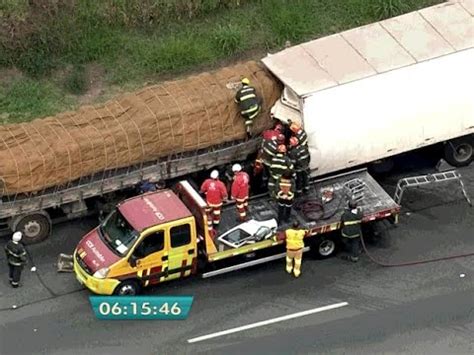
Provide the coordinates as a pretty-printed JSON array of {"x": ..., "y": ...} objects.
[{"x": 159, "y": 236}]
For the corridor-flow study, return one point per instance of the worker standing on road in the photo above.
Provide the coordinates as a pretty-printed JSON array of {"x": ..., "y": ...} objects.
[
  {"x": 299, "y": 155},
  {"x": 294, "y": 248},
  {"x": 249, "y": 104},
  {"x": 240, "y": 191},
  {"x": 285, "y": 197},
  {"x": 280, "y": 165},
  {"x": 351, "y": 231},
  {"x": 16, "y": 257},
  {"x": 216, "y": 193}
]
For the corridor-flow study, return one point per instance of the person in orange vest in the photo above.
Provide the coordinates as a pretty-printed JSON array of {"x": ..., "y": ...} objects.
[
  {"x": 216, "y": 193},
  {"x": 240, "y": 191},
  {"x": 294, "y": 247}
]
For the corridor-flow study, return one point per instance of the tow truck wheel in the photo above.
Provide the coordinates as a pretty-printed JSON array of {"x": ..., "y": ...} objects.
[
  {"x": 127, "y": 288},
  {"x": 459, "y": 152},
  {"x": 35, "y": 227},
  {"x": 323, "y": 248}
]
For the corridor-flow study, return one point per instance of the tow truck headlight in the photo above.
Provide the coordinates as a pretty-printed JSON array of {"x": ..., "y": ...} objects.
[{"x": 102, "y": 273}]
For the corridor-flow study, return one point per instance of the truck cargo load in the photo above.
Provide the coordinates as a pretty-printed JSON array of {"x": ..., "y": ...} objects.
[
  {"x": 174, "y": 117},
  {"x": 383, "y": 89}
]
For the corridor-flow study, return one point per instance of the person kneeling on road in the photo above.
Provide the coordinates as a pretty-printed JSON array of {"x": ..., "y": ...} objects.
[
  {"x": 294, "y": 248},
  {"x": 351, "y": 231},
  {"x": 16, "y": 257}
]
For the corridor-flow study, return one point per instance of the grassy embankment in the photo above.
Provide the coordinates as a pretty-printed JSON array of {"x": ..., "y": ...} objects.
[{"x": 58, "y": 54}]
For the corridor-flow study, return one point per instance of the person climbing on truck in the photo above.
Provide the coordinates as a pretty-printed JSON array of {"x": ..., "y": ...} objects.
[
  {"x": 300, "y": 157},
  {"x": 240, "y": 191},
  {"x": 216, "y": 193},
  {"x": 279, "y": 165},
  {"x": 285, "y": 197},
  {"x": 351, "y": 231},
  {"x": 249, "y": 104}
]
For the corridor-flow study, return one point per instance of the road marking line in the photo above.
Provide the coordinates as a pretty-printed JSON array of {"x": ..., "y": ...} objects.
[{"x": 269, "y": 321}]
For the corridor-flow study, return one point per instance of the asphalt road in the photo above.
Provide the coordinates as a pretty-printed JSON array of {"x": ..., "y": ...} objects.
[{"x": 421, "y": 309}]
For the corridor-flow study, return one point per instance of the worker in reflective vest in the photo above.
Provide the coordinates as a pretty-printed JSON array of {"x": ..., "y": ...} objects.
[
  {"x": 249, "y": 104},
  {"x": 216, "y": 193},
  {"x": 351, "y": 231},
  {"x": 16, "y": 258},
  {"x": 299, "y": 155},
  {"x": 240, "y": 191},
  {"x": 285, "y": 197},
  {"x": 267, "y": 152},
  {"x": 294, "y": 248},
  {"x": 299, "y": 133},
  {"x": 280, "y": 164}
]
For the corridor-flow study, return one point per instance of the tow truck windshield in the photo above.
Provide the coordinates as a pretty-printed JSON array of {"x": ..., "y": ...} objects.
[{"x": 118, "y": 234}]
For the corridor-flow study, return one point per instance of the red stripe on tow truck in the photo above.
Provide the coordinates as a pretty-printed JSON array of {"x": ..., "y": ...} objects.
[
  {"x": 155, "y": 270},
  {"x": 183, "y": 265}
]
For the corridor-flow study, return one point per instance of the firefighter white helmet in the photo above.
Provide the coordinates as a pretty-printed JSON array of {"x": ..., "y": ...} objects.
[
  {"x": 17, "y": 236},
  {"x": 236, "y": 168},
  {"x": 214, "y": 174}
]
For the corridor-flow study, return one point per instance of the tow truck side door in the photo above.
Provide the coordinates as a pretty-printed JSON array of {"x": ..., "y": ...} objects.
[
  {"x": 182, "y": 249},
  {"x": 151, "y": 255}
]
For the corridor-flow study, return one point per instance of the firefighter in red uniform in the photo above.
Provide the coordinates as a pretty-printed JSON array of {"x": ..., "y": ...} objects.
[
  {"x": 240, "y": 191},
  {"x": 216, "y": 193}
]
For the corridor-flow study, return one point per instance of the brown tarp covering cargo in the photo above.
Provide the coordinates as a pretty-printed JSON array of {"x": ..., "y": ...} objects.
[{"x": 177, "y": 116}]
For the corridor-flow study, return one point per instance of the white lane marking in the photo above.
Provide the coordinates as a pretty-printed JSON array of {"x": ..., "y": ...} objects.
[{"x": 269, "y": 321}]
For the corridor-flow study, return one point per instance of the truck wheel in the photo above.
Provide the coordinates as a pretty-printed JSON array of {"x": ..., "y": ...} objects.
[
  {"x": 127, "y": 288},
  {"x": 459, "y": 152},
  {"x": 323, "y": 248},
  {"x": 35, "y": 227}
]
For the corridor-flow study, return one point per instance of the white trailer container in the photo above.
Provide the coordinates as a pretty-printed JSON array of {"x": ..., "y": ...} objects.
[{"x": 383, "y": 89}]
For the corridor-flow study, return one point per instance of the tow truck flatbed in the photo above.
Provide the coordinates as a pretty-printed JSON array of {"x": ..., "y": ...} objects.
[{"x": 376, "y": 204}]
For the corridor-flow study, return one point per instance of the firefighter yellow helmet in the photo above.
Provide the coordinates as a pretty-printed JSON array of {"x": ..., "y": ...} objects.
[{"x": 245, "y": 81}]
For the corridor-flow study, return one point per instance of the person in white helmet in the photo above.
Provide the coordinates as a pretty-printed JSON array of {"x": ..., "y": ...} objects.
[
  {"x": 216, "y": 193},
  {"x": 240, "y": 191},
  {"x": 16, "y": 258}
]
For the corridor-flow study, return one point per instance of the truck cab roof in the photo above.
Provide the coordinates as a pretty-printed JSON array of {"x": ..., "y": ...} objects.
[{"x": 153, "y": 208}]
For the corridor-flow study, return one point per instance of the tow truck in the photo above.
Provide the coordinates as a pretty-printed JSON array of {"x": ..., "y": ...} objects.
[{"x": 163, "y": 235}]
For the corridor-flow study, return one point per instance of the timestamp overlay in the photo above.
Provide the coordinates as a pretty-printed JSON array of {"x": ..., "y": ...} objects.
[{"x": 141, "y": 307}]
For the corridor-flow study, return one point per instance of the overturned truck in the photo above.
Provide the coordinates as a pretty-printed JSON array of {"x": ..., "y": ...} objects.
[{"x": 58, "y": 166}]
